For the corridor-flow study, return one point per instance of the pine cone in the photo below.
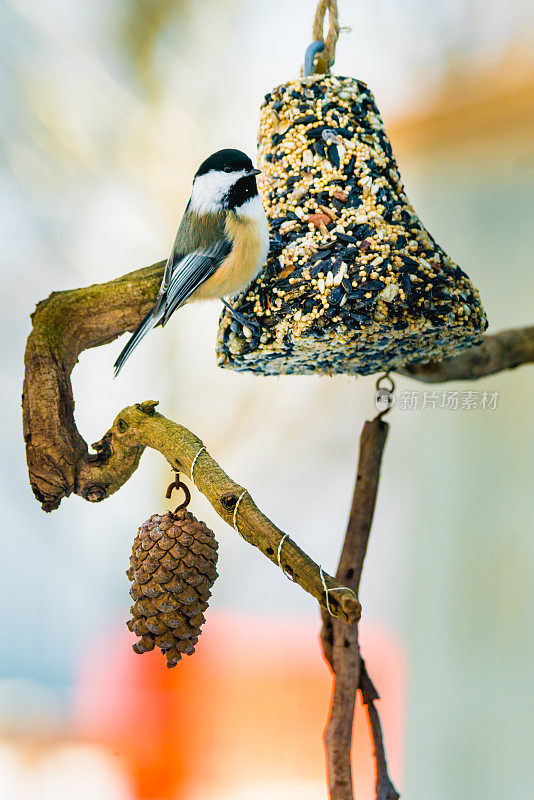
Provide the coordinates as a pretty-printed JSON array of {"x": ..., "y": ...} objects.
[{"x": 172, "y": 568}]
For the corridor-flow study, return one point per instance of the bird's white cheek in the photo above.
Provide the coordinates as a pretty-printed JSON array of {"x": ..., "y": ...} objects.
[
  {"x": 210, "y": 189},
  {"x": 206, "y": 195}
]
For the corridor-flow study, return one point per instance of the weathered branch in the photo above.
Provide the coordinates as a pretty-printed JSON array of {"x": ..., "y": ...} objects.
[
  {"x": 64, "y": 325},
  {"x": 67, "y": 323},
  {"x": 59, "y": 461},
  {"x": 499, "y": 351},
  {"x": 340, "y": 641},
  {"x": 384, "y": 789},
  {"x": 59, "y": 464},
  {"x": 140, "y": 426}
]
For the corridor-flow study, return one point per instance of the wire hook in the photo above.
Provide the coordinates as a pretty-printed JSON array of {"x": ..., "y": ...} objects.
[
  {"x": 385, "y": 377},
  {"x": 178, "y": 484},
  {"x": 384, "y": 397}
]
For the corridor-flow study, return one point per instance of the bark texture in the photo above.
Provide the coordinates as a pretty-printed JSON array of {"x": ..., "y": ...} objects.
[
  {"x": 340, "y": 642},
  {"x": 59, "y": 464},
  {"x": 67, "y": 323},
  {"x": 498, "y": 351},
  {"x": 64, "y": 325}
]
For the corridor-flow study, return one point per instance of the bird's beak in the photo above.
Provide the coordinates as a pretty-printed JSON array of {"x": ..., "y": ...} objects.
[{"x": 254, "y": 172}]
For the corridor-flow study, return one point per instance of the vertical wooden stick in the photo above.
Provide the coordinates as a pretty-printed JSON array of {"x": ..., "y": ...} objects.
[
  {"x": 384, "y": 789},
  {"x": 339, "y": 640}
]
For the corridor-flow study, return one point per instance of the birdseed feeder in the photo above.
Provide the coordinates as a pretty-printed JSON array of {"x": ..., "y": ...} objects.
[{"x": 354, "y": 283}]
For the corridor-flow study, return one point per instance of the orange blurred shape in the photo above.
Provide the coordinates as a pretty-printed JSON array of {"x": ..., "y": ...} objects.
[{"x": 249, "y": 707}]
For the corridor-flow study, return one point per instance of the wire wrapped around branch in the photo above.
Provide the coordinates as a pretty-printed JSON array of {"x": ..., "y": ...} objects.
[
  {"x": 67, "y": 323},
  {"x": 140, "y": 426}
]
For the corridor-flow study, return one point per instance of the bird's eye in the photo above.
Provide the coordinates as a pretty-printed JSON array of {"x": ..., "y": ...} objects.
[{"x": 227, "y": 169}]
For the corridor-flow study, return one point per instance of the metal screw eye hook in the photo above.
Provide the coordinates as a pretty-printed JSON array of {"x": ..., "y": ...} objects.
[
  {"x": 309, "y": 57},
  {"x": 385, "y": 377},
  {"x": 178, "y": 484},
  {"x": 388, "y": 392}
]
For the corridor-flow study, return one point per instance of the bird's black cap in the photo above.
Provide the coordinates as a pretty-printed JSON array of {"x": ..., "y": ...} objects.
[{"x": 226, "y": 161}]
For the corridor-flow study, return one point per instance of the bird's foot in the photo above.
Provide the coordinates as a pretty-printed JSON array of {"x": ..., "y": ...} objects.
[{"x": 243, "y": 319}]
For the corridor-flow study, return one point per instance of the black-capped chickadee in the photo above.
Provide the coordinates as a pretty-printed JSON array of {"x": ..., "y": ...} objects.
[{"x": 221, "y": 244}]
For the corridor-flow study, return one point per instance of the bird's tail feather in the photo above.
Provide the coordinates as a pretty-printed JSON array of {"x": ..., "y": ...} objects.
[{"x": 147, "y": 323}]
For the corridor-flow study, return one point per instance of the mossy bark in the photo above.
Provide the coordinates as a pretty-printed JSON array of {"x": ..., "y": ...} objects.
[
  {"x": 59, "y": 461},
  {"x": 59, "y": 464}
]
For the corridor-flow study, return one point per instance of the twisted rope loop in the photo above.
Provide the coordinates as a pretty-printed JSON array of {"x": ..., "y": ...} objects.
[{"x": 325, "y": 59}]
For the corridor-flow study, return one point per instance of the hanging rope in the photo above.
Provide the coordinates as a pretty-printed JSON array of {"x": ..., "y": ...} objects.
[{"x": 325, "y": 59}]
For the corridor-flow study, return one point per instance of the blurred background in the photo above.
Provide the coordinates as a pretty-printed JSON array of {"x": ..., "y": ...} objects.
[{"x": 107, "y": 109}]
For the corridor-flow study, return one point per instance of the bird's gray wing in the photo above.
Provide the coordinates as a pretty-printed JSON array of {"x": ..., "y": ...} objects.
[
  {"x": 189, "y": 272},
  {"x": 199, "y": 249}
]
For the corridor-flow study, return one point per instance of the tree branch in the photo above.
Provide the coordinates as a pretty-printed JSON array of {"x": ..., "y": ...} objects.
[
  {"x": 59, "y": 463},
  {"x": 140, "y": 426},
  {"x": 67, "y": 323},
  {"x": 340, "y": 641},
  {"x": 64, "y": 325},
  {"x": 498, "y": 352},
  {"x": 384, "y": 789}
]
